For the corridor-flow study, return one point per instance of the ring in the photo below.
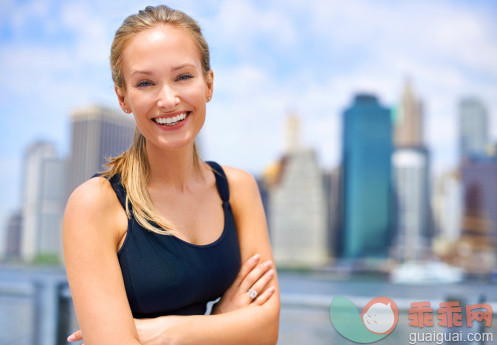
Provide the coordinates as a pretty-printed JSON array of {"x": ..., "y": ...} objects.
[{"x": 253, "y": 293}]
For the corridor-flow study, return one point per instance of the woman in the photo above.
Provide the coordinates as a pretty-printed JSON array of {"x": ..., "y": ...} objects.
[{"x": 142, "y": 241}]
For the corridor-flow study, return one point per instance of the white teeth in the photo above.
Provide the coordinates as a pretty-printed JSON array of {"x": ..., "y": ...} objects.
[{"x": 169, "y": 120}]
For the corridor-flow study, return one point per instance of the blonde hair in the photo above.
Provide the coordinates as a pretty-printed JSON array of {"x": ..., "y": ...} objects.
[{"x": 132, "y": 165}]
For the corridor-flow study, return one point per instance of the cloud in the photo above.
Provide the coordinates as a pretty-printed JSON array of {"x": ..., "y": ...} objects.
[
  {"x": 18, "y": 15},
  {"x": 33, "y": 70},
  {"x": 432, "y": 31},
  {"x": 92, "y": 35},
  {"x": 370, "y": 47},
  {"x": 270, "y": 58},
  {"x": 241, "y": 26}
]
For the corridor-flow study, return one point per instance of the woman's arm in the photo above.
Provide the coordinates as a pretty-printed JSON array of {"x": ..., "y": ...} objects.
[
  {"x": 90, "y": 236},
  {"x": 250, "y": 325},
  {"x": 150, "y": 331}
]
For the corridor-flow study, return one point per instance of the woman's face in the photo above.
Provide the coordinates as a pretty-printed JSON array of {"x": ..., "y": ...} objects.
[{"x": 166, "y": 88}]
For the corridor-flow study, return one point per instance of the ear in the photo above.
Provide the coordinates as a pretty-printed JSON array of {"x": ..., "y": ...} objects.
[
  {"x": 209, "y": 81},
  {"x": 122, "y": 99}
]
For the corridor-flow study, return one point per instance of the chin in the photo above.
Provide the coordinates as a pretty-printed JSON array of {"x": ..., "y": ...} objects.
[{"x": 177, "y": 145}]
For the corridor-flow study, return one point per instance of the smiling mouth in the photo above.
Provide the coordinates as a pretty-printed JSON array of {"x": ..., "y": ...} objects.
[{"x": 171, "y": 121}]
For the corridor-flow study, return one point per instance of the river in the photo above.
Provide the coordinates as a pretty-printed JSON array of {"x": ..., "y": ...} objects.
[{"x": 304, "y": 318}]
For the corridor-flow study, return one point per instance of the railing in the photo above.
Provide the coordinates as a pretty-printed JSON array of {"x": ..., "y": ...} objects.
[
  {"x": 37, "y": 313},
  {"x": 41, "y": 312}
]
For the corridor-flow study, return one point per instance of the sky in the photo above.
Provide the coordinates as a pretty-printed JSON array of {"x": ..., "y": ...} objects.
[{"x": 269, "y": 58}]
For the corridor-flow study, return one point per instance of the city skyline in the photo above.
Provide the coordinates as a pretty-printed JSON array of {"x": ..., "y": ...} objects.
[
  {"x": 268, "y": 59},
  {"x": 360, "y": 227}
]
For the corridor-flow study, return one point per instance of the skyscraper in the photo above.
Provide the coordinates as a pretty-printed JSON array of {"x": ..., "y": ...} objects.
[
  {"x": 412, "y": 200},
  {"x": 447, "y": 211},
  {"x": 42, "y": 202},
  {"x": 478, "y": 242},
  {"x": 448, "y": 205},
  {"x": 97, "y": 133},
  {"x": 331, "y": 184},
  {"x": 52, "y": 197},
  {"x": 411, "y": 172},
  {"x": 13, "y": 243},
  {"x": 409, "y": 120},
  {"x": 292, "y": 133},
  {"x": 298, "y": 223},
  {"x": 298, "y": 213},
  {"x": 367, "y": 151},
  {"x": 336, "y": 212},
  {"x": 473, "y": 128}
]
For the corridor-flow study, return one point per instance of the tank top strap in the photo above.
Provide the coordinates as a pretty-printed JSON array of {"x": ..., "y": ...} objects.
[
  {"x": 115, "y": 182},
  {"x": 221, "y": 181}
]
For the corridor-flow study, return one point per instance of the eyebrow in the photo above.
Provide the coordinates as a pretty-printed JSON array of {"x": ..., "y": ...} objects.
[
  {"x": 182, "y": 66},
  {"x": 172, "y": 69}
]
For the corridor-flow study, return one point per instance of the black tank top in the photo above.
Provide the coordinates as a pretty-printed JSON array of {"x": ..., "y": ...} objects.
[{"x": 164, "y": 275}]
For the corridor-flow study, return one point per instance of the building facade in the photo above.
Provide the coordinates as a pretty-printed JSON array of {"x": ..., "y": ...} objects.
[
  {"x": 448, "y": 205},
  {"x": 97, "y": 133},
  {"x": 367, "y": 151},
  {"x": 298, "y": 221},
  {"x": 412, "y": 199},
  {"x": 473, "y": 128},
  {"x": 52, "y": 204},
  {"x": 42, "y": 202},
  {"x": 13, "y": 242},
  {"x": 297, "y": 205},
  {"x": 408, "y": 128},
  {"x": 476, "y": 248}
]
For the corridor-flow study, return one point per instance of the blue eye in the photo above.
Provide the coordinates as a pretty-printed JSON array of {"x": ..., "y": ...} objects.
[
  {"x": 144, "y": 83},
  {"x": 184, "y": 76}
]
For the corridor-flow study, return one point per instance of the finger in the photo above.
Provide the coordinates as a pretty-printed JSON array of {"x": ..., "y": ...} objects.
[
  {"x": 265, "y": 296},
  {"x": 255, "y": 275},
  {"x": 259, "y": 285},
  {"x": 246, "y": 268},
  {"x": 76, "y": 336}
]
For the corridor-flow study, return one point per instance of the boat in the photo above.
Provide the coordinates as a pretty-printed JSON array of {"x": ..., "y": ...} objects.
[{"x": 425, "y": 273}]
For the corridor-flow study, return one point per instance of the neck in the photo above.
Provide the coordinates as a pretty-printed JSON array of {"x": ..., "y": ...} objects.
[{"x": 171, "y": 169}]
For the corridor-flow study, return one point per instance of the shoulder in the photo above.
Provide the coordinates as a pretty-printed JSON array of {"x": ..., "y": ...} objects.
[
  {"x": 93, "y": 195},
  {"x": 92, "y": 206},
  {"x": 242, "y": 184},
  {"x": 239, "y": 179}
]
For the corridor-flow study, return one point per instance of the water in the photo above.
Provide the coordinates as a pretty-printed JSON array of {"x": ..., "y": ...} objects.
[
  {"x": 306, "y": 299},
  {"x": 304, "y": 317}
]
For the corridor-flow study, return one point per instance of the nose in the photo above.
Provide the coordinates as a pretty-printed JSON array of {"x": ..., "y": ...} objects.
[{"x": 167, "y": 97}]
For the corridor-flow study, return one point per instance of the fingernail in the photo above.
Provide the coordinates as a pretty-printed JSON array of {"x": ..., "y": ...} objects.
[
  {"x": 255, "y": 257},
  {"x": 267, "y": 263},
  {"x": 271, "y": 289},
  {"x": 271, "y": 272},
  {"x": 71, "y": 338}
]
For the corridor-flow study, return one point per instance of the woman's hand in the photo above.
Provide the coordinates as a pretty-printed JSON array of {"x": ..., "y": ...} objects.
[
  {"x": 251, "y": 276},
  {"x": 150, "y": 331}
]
